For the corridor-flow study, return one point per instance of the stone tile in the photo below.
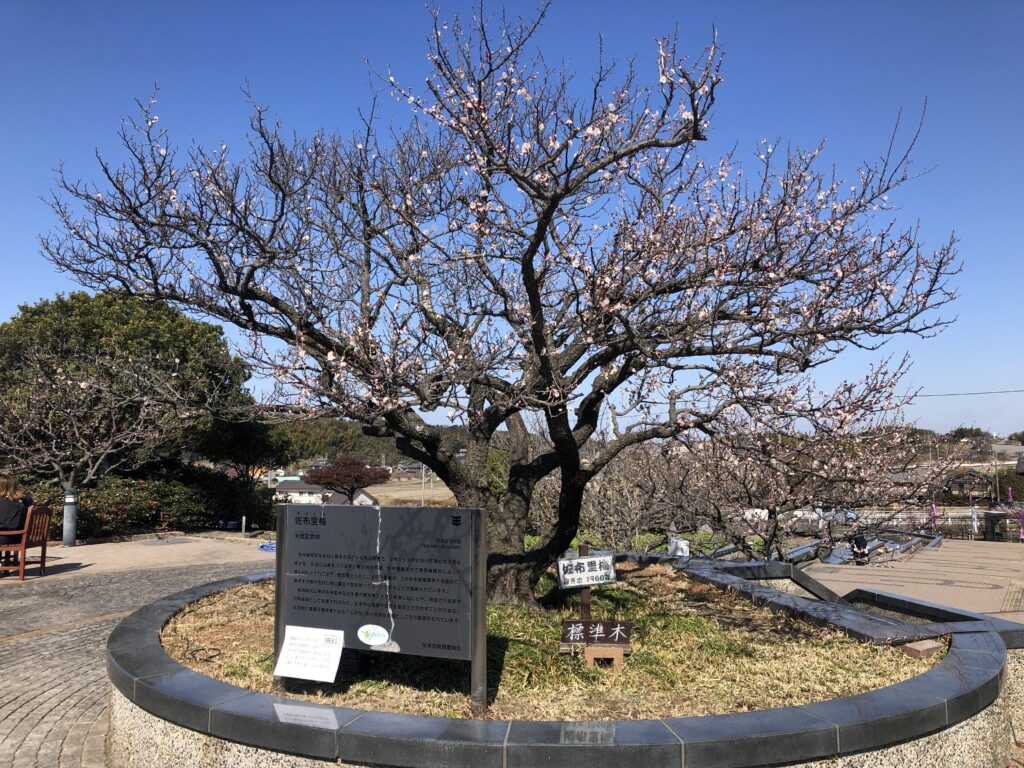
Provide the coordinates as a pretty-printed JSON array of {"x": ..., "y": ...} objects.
[
  {"x": 405, "y": 740},
  {"x": 774, "y": 735},
  {"x": 253, "y": 719},
  {"x": 877, "y": 718},
  {"x": 598, "y": 744}
]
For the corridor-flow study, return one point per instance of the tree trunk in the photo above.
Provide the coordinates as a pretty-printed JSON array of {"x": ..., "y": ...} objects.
[
  {"x": 511, "y": 580},
  {"x": 512, "y": 572}
]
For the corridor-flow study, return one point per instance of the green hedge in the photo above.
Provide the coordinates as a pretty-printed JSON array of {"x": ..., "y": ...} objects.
[{"x": 196, "y": 499}]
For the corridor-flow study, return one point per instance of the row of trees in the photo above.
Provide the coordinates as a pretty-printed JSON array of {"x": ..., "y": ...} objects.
[
  {"x": 332, "y": 437},
  {"x": 651, "y": 488},
  {"x": 104, "y": 385},
  {"x": 532, "y": 249},
  {"x": 748, "y": 494},
  {"x": 96, "y": 384},
  {"x": 972, "y": 444}
]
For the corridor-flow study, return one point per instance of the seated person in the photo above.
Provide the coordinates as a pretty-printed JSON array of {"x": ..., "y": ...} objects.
[
  {"x": 859, "y": 549},
  {"x": 12, "y": 509}
]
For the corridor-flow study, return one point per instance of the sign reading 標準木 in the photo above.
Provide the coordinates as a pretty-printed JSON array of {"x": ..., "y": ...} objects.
[
  {"x": 603, "y": 632},
  {"x": 398, "y": 579}
]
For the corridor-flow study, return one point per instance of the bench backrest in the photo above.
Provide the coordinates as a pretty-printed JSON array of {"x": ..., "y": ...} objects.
[{"x": 37, "y": 526}]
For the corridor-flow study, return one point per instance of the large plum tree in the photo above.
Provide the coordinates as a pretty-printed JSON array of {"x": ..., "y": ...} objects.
[{"x": 526, "y": 247}]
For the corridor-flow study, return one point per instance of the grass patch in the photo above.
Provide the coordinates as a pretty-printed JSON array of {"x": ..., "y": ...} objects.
[{"x": 696, "y": 651}]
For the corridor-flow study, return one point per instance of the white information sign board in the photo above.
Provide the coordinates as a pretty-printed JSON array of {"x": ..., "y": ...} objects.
[
  {"x": 576, "y": 572},
  {"x": 309, "y": 653}
]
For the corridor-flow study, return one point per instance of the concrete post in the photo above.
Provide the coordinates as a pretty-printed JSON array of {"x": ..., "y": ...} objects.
[{"x": 70, "y": 516}]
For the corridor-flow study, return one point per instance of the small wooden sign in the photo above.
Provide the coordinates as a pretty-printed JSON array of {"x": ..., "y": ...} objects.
[
  {"x": 575, "y": 572},
  {"x": 585, "y": 632}
]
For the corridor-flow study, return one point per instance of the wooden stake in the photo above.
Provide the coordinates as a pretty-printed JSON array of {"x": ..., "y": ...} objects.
[{"x": 585, "y": 593}]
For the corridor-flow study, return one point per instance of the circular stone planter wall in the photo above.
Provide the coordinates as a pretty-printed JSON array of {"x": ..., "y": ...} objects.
[{"x": 163, "y": 714}]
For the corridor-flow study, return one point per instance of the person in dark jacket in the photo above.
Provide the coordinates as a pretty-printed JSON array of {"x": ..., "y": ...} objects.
[
  {"x": 859, "y": 548},
  {"x": 12, "y": 508}
]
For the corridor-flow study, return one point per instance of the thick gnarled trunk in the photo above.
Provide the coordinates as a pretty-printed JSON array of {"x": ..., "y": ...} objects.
[
  {"x": 511, "y": 581},
  {"x": 513, "y": 571}
]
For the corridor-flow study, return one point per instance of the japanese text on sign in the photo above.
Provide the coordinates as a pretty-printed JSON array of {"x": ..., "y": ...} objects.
[
  {"x": 310, "y": 717},
  {"x": 405, "y": 570},
  {"x": 585, "y": 571},
  {"x": 587, "y": 733},
  {"x": 586, "y": 632},
  {"x": 310, "y": 653}
]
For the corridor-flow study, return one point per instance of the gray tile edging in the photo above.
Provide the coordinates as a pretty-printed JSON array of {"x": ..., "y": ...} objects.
[{"x": 964, "y": 683}]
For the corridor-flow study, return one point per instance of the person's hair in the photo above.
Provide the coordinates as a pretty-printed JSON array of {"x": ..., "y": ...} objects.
[{"x": 9, "y": 488}]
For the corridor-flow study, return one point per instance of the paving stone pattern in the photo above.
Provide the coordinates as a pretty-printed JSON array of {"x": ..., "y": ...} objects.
[{"x": 54, "y": 689}]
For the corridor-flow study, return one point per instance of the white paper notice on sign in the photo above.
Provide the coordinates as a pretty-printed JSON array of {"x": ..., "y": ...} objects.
[
  {"x": 309, "y": 653},
  {"x": 311, "y": 717}
]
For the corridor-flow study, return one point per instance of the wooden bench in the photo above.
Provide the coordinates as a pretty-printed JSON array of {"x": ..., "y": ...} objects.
[{"x": 34, "y": 534}]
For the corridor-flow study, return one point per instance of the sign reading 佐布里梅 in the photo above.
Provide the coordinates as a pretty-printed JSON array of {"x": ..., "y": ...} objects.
[{"x": 586, "y": 571}]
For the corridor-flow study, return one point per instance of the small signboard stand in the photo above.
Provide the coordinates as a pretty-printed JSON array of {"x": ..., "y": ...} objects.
[
  {"x": 608, "y": 640},
  {"x": 612, "y": 653}
]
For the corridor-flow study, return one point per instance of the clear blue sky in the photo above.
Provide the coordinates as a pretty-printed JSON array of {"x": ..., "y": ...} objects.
[{"x": 795, "y": 70}]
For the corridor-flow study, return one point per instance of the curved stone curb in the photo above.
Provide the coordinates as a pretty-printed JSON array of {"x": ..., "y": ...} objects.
[{"x": 964, "y": 683}]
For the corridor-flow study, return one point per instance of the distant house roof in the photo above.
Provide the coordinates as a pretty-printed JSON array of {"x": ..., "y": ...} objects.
[
  {"x": 1008, "y": 449},
  {"x": 288, "y": 487},
  {"x": 968, "y": 475},
  {"x": 969, "y": 480},
  {"x": 298, "y": 486}
]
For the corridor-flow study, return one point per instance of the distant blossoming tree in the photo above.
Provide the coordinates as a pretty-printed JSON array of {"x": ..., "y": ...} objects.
[
  {"x": 524, "y": 247},
  {"x": 347, "y": 474},
  {"x": 759, "y": 488}
]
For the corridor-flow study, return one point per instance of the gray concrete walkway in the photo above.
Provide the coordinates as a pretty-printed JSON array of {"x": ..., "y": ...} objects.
[
  {"x": 53, "y": 632},
  {"x": 982, "y": 576}
]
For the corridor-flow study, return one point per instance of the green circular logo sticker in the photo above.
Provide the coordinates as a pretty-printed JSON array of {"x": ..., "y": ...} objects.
[{"x": 371, "y": 634}]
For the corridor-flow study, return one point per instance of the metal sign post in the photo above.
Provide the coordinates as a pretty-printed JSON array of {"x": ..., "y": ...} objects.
[{"x": 478, "y": 618}]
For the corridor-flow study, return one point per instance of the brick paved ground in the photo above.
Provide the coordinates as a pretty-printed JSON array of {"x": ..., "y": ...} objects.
[{"x": 53, "y": 681}]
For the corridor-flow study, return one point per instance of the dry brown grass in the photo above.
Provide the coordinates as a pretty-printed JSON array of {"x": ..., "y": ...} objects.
[
  {"x": 696, "y": 651},
  {"x": 407, "y": 491}
]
